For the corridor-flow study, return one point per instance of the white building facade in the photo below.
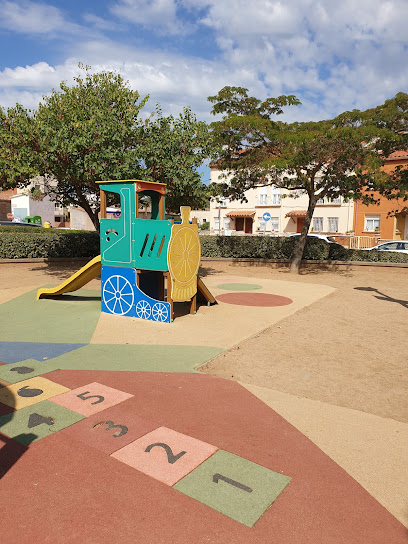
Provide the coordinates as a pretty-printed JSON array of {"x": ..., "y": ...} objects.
[{"x": 275, "y": 211}]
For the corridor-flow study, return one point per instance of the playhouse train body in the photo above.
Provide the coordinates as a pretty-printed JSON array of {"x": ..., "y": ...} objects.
[{"x": 147, "y": 264}]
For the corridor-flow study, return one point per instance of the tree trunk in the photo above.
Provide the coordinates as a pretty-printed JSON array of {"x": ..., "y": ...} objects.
[{"x": 301, "y": 242}]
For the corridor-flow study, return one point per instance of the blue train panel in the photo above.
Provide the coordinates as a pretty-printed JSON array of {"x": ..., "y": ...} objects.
[{"x": 121, "y": 296}]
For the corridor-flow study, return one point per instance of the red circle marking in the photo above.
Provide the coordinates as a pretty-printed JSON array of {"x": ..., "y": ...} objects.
[{"x": 254, "y": 299}]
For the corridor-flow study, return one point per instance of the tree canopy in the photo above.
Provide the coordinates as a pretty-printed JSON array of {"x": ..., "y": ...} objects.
[
  {"x": 93, "y": 131},
  {"x": 337, "y": 157},
  {"x": 173, "y": 149}
]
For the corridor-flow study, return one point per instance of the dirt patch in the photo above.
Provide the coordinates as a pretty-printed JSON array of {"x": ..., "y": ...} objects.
[{"x": 348, "y": 349}]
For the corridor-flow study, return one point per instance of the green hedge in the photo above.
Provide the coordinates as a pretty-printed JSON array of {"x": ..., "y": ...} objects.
[
  {"x": 31, "y": 242},
  {"x": 261, "y": 247},
  {"x": 265, "y": 247}
]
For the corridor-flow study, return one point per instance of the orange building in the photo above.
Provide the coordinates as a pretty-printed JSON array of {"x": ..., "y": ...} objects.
[{"x": 374, "y": 219}]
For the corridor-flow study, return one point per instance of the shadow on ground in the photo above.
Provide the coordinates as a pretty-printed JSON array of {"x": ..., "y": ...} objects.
[{"x": 383, "y": 296}]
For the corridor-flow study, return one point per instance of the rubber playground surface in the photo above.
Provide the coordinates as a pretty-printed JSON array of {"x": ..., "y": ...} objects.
[{"x": 109, "y": 433}]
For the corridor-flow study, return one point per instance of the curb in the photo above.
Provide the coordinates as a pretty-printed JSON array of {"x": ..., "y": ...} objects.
[{"x": 277, "y": 262}]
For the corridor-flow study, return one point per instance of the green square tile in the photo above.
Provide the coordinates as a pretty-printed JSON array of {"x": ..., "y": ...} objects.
[
  {"x": 18, "y": 372},
  {"x": 38, "y": 421},
  {"x": 234, "y": 486}
]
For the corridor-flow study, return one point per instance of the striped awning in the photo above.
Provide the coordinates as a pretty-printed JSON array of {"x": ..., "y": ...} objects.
[{"x": 241, "y": 213}]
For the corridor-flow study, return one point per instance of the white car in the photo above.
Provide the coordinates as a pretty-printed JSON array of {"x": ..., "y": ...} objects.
[
  {"x": 324, "y": 237},
  {"x": 400, "y": 246}
]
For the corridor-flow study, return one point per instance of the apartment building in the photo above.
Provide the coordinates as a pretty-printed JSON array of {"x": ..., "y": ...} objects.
[{"x": 271, "y": 210}]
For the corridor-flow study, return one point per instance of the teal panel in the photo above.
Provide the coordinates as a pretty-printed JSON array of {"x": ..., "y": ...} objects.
[
  {"x": 151, "y": 240},
  {"x": 116, "y": 234}
]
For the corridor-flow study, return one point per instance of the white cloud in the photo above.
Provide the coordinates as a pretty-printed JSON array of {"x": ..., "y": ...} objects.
[
  {"x": 33, "y": 18},
  {"x": 333, "y": 55},
  {"x": 158, "y": 14}
]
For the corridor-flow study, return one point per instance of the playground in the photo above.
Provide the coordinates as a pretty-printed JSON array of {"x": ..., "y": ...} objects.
[{"x": 270, "y": 407}]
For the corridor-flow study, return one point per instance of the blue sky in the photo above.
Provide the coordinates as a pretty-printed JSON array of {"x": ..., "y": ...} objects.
[{"x": 332, "y": 55}]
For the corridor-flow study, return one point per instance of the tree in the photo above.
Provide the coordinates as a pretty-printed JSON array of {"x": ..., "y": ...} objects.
[
  {"x": 91, "y": 131},
  {"x": 392, "y": 116},
  {"x": 172, "y": 149},
  {"x": 338, "y": 157},
  {"x": 18, "y": 147}
]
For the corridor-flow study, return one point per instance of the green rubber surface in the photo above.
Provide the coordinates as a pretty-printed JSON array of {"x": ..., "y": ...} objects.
[
  {"x": 16, "y": 424},
  {"x": 145, "y": 358},
  {"x": 244, "y": 495},
  {"x": 239, "y": 286},
  {"x": 18, "y": 372},
  {"x": 69, "y": 319}
]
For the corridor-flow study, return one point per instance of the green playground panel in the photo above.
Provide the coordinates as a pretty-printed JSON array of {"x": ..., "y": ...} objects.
[
  {"x": 235, "y": 487},
  {"x": 37, "y": 421},
  {"x": 18, "y": 372}
]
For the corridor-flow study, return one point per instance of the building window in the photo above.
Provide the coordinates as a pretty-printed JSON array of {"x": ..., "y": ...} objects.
[
  {"x": 276, "y": 196},
  {"x": 371, "y": 223},
  {"x": 263, "y": 196},
  {"x": 320, "y": 201},
  {"x": 317, "y": 225},
  {"x": 227, "y": 223},
  {"x": 333, "y": 224},
  {"x": 262, "y": 225},
  {"x": 274, "y": 224},
  {"x": 216, "y": 224}
]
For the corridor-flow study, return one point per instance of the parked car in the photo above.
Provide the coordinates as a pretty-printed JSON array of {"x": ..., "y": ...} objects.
[
  {"x": 400, "y": 246},
  {"x": 324, "y": 237},
  {"x": 17, "y": 224}
]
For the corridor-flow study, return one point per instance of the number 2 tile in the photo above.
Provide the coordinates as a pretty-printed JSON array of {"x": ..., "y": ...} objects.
[{"x": 165, "y": 455}]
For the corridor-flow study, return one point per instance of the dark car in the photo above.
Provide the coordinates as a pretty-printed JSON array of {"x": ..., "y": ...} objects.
[{"x": 16, "y": 224}]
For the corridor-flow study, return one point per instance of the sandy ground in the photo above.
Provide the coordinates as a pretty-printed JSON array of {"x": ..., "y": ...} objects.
[
  {"x": 348, "y": 349},
  {"x": 336, "y": 369}
]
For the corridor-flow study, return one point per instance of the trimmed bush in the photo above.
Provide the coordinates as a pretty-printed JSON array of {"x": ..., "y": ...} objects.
[
  {"x": 265, "y": 247},
  {"x": 337, "y": 253},
  {"x": 30, "y": 243},
  {"x": 261, "y": 247}
]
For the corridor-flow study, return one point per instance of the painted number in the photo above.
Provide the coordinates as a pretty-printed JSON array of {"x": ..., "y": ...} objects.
[
  {"x": 22, "y": 369},
  {"x": 171, "y": 458},
  {"x": 110, "y": 425},
  {"x": 27, "y": 392},
  {"x": 83, "y": 397},
  {"x": 218, "y": 477},
  {"x": 37, "y": 419}
]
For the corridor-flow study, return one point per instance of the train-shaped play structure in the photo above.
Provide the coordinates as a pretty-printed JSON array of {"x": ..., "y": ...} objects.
[{"x": 146, "y": 265}]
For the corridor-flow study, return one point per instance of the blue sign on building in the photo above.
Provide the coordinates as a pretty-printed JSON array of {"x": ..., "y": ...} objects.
[{"x": 266, "y": 216}]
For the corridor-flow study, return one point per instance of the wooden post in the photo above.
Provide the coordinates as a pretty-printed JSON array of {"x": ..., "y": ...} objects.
[
  {"x": 193, "y": 304},
  {"x": 168, "y": 294},
  {"x": 103, "y": 204},
  {"x": 161, "y": 207}
]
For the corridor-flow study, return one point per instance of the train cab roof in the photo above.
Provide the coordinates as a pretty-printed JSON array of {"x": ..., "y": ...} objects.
[{"x": 141, "y": 185}]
